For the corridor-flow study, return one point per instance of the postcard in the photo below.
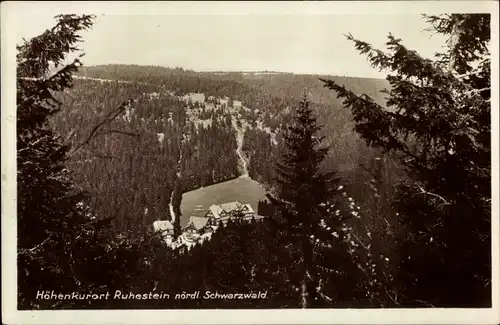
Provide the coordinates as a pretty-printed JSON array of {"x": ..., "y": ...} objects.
[{"x": 250, "y": 162}]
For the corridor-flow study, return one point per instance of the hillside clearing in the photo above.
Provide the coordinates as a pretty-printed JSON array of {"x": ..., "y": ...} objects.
[{"x": 244, "y": 190}]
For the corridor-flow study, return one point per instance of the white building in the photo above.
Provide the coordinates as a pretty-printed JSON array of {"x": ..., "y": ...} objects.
[
  {"x": 225, "y": 211},
  {"x": 194, "y": 97},
  {"x": 237, "y": 104},
  {"x": 166, "y": 229}
]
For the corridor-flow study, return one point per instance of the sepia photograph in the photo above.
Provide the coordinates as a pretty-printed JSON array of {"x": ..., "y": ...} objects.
[{"x": 308, "y": 159}]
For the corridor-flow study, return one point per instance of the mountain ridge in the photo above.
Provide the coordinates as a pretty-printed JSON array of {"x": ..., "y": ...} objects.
[{"x": 229, "y": 72}]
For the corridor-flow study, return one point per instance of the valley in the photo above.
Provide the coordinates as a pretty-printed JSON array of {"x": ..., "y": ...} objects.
[
  {"x": 320, "y": 191},
  {"x": 250, "y": 125},
  {"x": 200, "y": 113}
]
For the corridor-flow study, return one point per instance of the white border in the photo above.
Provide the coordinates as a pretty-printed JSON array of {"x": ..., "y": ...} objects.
[
  {"x": 346, "y": 316},
  {"x": 248, "y": 7}
]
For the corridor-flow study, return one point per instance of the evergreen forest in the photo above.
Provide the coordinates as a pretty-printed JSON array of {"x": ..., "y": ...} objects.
[{"x": 378, "y": 191}]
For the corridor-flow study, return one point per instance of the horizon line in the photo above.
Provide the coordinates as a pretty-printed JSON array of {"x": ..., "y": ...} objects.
[{"x": 232, "y": 71}]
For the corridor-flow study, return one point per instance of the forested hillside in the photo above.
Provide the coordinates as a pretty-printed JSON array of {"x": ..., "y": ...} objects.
[
  {"x": 132, "y": 160},
  {"x": 369, "y": 202},
  {"x": 271, "y": 99},
  {"x": 177, "y": 135}
]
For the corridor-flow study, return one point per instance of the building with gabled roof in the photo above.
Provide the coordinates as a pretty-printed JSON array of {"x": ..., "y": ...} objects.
[
  {"x": 165, "y": 228},
  {"x": 197, "y": 225},
  {"x": 223, "y": 212}
]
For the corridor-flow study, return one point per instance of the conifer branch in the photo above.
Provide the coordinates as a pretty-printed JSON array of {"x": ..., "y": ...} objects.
[
  {"x": 393, "y": 299},
  {"x": 36, "y": 248},
  {"x": 93, "y": 133},
  {"x": 423, "y": 191},
  {"x": 110, "y": 131}
]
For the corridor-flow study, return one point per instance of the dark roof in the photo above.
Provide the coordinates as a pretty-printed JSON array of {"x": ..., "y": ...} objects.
[{"x": 198, "y": 222}]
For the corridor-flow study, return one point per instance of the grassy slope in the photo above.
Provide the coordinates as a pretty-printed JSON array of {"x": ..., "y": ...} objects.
[{"x": 244, "y": 190}]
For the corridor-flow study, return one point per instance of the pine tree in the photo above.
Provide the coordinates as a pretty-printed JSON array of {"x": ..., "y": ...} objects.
[
  {"x": 437, "y": 122},
  {"x": 62, "y": 245},
  {"x": 51, "y": 213},
  {"x": 302, "y": 193}
]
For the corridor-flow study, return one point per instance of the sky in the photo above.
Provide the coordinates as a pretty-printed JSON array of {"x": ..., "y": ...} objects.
[{"x": 292, "y": 42}]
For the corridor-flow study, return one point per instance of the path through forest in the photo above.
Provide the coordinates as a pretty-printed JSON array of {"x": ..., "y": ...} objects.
[
  {"x": 177, "y": 183},
  {"x": 239, "y": 140}
]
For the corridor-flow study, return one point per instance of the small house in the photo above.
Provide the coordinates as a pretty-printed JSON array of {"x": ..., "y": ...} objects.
[
  {"x": 196, "y": 225},
  {"x": 224, "y": 101},
  {"x": 237, "y": 104},
  {"x": 165, "y": 228}
]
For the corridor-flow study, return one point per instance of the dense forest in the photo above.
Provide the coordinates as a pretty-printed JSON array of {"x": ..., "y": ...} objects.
[
  {"x": 270, "y": 112},
  {"x": 138, "y": 150},
  {"x": 375, "y": 199}
]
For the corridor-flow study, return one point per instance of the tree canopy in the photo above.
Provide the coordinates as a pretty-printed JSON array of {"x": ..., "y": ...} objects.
[{"x": 437, "y": 122}]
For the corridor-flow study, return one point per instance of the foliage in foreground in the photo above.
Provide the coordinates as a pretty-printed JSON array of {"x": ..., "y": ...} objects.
[
  {"x": 316, "y": 249},
  {"x": 437, "y": 123}
]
